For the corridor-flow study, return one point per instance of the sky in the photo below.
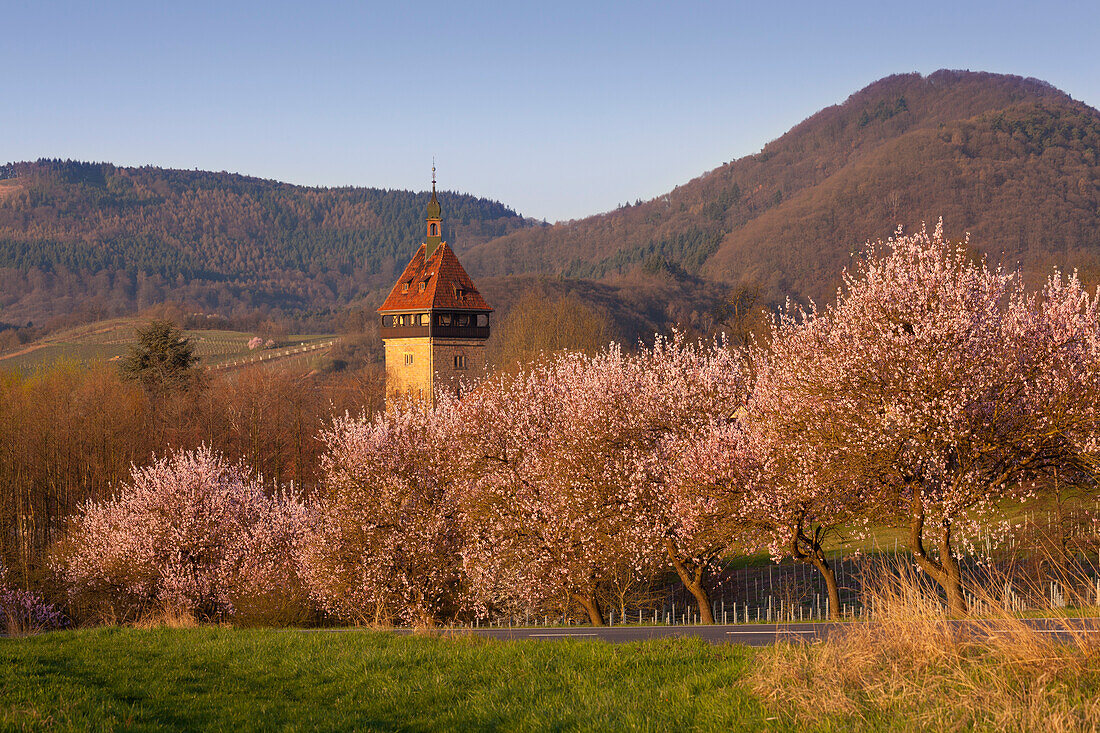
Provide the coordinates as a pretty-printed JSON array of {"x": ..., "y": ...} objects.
[{"x": 558, "y": 109}]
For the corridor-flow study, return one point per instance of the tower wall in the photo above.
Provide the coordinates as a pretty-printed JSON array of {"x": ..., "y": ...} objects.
[
  {"x": 433, "y": 366},
  {"x": 403, "y": 378},
  {"x": 444, "y": 350}
]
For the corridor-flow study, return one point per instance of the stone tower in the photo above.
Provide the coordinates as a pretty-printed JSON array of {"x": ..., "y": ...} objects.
[{"x": 434, "y": 322}]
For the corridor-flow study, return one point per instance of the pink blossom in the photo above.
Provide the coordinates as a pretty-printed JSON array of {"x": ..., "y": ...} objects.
[
  {"x": 190, "y": 533},
  {"x": 389, "y": 544}
]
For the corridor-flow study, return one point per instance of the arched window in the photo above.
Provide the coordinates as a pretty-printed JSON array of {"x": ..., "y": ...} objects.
[{"x": 433, "y": 229}]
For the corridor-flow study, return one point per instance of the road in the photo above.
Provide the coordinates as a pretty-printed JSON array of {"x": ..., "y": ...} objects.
[{"x": 751, "y": 634}]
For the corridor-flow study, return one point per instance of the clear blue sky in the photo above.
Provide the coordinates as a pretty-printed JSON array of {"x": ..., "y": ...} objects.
[{"x": 557, "y": 108}]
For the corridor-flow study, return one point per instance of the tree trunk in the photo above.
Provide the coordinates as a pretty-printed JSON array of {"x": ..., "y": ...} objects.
[
  {"x": 592, "y": 607},
  {"x": 956, "y": 602},
  {"x": 827, "y": 572},
  {"x": 807, "y": 548},
  {"x": 692, "y": 579},
  {"x": 945, "y": 571},
  {"x": 703, "y": 598}
]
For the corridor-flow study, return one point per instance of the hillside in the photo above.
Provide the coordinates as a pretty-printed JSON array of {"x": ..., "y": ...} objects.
[
  {"x": 110, "y": 240},
  {"x": 112, "y": 339},
  {"x": 1013, "y": 161}
]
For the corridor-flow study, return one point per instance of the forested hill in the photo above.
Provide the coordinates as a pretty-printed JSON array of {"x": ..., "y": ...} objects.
[
  {"x": 1013, "y": 161},
  {"x": 96, "y": 235}
]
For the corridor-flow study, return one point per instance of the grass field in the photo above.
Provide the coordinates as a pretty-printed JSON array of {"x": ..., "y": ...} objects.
[
  {"x": 232, "y": 679},
  {"x": 910, "y": 670},
  {"x": 110, "y": 340}
]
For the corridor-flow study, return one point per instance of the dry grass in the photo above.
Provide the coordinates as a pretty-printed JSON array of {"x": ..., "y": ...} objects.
[
  {"x": 167, "y": 618},
  {"x": 913, "y": 668}
]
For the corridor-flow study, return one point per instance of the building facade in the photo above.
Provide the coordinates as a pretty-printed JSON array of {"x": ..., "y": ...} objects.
[{"x": 434, "y": 322}]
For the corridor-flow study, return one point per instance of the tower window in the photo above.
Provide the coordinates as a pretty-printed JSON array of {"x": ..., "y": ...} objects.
[
  {"x": 460, "y": 362},
  {"x": 433, "y": 230},
  {"x": 408, "y": 359}
]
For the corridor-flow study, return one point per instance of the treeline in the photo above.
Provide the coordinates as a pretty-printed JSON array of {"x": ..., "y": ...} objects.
[
  {"x": 932, "y": 393},
  {"x": 935, "y": 391},
  {"x": 131, "y": 237}
]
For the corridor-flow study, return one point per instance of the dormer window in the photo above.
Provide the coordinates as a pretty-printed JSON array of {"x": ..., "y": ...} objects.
[
  {"x": 404, "y": 287},
  {"x": 460, "y": 293},
  {"x": 422, "y": 284}
]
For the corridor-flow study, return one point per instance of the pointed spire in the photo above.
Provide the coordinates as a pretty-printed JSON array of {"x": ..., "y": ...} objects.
[{"x": 435, "y": 221}]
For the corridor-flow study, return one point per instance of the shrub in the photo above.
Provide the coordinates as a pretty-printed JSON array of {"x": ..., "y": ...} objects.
[{"x": 24, "y": 612}]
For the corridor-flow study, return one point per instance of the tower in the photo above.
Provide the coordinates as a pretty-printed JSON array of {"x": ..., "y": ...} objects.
[{"x": 434, "y": 322}]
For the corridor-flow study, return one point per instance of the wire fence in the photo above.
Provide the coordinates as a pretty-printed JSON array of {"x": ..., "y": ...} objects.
[{"x": 792, "y": 592}]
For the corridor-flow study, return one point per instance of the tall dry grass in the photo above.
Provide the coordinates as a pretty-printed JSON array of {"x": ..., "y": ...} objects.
[
  {"x": 167, "y": 618},
  {"x": 911, "y": 667}
]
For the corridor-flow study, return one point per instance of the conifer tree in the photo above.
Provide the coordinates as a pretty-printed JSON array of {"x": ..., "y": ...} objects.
[{"x": 163, "y": 359}]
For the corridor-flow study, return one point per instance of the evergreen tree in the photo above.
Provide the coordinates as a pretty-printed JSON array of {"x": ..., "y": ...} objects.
[{"x": 163, "y": 359}]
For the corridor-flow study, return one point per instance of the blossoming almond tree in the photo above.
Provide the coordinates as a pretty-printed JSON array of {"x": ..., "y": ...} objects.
[
  {"x": 808, "y": 484},
  {"x": 191, "y": 533},
  {"x": 559, "y": 473},
  {"x": 712, "y": 473},
  {"x": 390, "y": 543},
  {"x": 570, "y": 466},
  {"x": 944, "y": 385},
  {"x": 695, "y": 396}
]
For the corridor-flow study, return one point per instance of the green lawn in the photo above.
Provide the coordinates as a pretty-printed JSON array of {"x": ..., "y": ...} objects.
[{"x": 233, "y": 679}]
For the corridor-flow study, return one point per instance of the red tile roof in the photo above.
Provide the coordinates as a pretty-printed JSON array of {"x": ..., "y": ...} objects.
[{"x": 443, "y": 278}]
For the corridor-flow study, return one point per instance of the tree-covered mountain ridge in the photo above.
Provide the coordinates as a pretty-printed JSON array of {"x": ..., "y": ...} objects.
[
  {"x": 1013, "y": 161},
  {"x": 74, "y": 232}
]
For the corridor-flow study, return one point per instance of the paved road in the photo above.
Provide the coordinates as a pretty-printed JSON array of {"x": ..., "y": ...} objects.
[{"x": 751, "y": 634}]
